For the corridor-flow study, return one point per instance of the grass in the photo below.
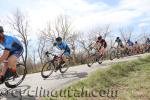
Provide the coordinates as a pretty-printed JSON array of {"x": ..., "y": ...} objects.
[{"x": 129, "y": 80}]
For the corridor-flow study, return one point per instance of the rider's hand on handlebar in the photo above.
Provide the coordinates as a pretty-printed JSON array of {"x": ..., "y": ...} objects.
[
  {"x": 91, "y": 48},
  {"x": 46, "y": 53}
]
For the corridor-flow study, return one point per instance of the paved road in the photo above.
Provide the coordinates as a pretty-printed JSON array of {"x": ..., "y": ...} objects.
[{"x": 34, "y": 84}]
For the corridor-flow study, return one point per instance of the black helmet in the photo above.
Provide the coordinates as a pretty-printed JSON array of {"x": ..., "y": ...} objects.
[
  {"x": 58, "y": 39},
  {"x": 99, "y": 38},
  {"x": 1, "y": 29},
  {"x": 117, "y": 38}
]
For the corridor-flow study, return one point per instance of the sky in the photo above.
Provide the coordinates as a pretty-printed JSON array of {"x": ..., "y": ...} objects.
[{"x": 86, "y": 14}]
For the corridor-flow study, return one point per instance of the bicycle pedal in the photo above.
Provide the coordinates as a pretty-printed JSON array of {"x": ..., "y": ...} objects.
[
  {"x": 2, "y": 79},
  {"x": 62, "y": 65},
  {"x": 15, "y": 75},
  {"x": 56, "y": 70},
  {"x": 10, "y": 74}
]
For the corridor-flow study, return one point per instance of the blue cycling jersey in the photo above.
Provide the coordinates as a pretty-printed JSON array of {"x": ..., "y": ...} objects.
[
  {"x": 130, "y": 43},
  {"x": 11, "y": 43},
  {"x": 62, "y": 46},
  {"x": 147, "y": 41}
]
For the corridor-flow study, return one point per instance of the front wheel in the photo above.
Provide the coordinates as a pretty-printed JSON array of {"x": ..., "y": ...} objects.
[
  {"x": 100, "y": 60},
  {"x": 17, "y": 79},
  {"x": 112, "y": 55},
  {"x": 90, "y": 60},
  {"x": 47, "y": 69}
]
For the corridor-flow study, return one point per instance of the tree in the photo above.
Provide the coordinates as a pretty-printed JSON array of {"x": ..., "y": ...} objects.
[
  {"x": 61, "y": 27},
  {"x": 103, "y": 31},
  {"x": 41, "y": 47},
  {"x": 20, "y": 24},
  {"x": 126, "y": 33}
]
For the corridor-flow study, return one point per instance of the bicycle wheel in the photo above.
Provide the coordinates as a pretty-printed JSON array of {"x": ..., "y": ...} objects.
[
  {"x": 119, "y": 54},
  {"x": 16, "y": 80},
  {"x": 47, "y": 69},
  {"x": 100, "y": 59},
  {"x": 112, "y": 55},
  {"x": 64, "y": 67},
  {"x": 90, "y": 60}
]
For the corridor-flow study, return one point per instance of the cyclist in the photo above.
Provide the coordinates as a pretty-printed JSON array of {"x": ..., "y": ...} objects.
[
  {"x": 100, "y": 45},
  {"x": 13, "y": 49},
  {"x": 63, "y": 46},
  {"x": 118, "y": 43},
  {"x": 136, "y": 47},
  {"x": 129, "y": 44},
  {"x": 147, "y": 44}
]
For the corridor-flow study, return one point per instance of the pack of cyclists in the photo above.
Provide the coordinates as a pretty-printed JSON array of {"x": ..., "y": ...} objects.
[{"x": 13, "y": 49}]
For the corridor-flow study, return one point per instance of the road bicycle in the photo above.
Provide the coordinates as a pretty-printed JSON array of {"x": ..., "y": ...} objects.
[
  {"x": 54, "y": 64},
  {"x": 93, "y": 56},
  {"x": 115, "y": 53}
]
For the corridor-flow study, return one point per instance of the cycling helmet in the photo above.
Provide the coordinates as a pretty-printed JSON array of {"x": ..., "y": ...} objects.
[
  {"x": 1, "y": 29},
  {"x": 58, "y": 39},
  {"x": 117, "y": 38},
  {"x": 99, "y": 38},
  {"x": 128, "y": 40}
]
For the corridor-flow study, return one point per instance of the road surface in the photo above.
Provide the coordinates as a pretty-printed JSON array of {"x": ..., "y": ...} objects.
[{"x": 34, "y": 84}]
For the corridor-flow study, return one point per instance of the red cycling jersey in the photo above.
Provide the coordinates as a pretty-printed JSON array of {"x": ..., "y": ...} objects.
[{"x": 102, "y": 42}]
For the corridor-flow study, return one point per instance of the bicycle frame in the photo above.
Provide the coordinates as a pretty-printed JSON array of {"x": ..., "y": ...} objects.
[{"x": 55, "y": 58}]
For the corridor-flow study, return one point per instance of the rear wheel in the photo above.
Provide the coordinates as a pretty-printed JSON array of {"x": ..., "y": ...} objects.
[
  {"x": 18, "y": 78},
  {"x": 47, "y": 69},
  {"x": 64, "y": 67}
]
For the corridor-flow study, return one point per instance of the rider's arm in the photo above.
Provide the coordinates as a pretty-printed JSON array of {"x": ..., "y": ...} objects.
[
  {"x": 103, "y": 43},
  {"x": 4, "y": 56},
  {"x": 54, "y": 44},
  {"x": 114, "y": 43},
  {"x": 93, "y": 45}
]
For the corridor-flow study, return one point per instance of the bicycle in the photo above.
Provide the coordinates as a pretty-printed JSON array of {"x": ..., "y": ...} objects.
[
  {"x": 54, "y": 64},
  {"x": 146, "y": 48},
  {"x": 16, "y": 78},
  {"x": 128, "y": 51},
  {"x": 93, "y": 57},
  {"x": 115, "y": 52}
]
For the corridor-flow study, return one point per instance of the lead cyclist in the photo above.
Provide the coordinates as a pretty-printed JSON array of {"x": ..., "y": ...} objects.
[{"x": 13, "y": 49}]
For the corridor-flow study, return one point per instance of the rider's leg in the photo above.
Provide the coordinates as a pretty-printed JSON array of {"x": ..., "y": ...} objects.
[
  {"x": 135, "y": 49},
  {"x": 12, "y": 61},
  {"x": 102, "y": 51},
  {"x": 4, "y": 68},
  {"x": 65, "y": 56},
  {"x": 120, "y": 48}
]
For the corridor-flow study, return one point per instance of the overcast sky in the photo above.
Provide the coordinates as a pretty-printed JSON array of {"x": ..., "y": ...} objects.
[{"x": 85, "y": 13}]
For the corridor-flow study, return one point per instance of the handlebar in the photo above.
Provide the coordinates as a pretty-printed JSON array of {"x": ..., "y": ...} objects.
[{"x": 47, "y": 53}]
